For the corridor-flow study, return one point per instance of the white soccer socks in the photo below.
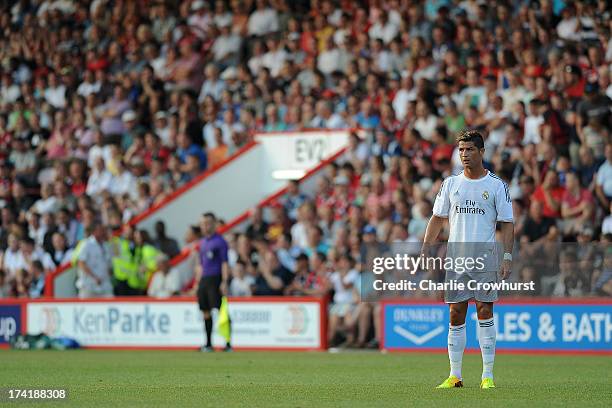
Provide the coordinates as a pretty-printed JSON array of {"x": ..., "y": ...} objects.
[
  {"x": 486, "y": 338},
  {"x": 456, "y": 345}
]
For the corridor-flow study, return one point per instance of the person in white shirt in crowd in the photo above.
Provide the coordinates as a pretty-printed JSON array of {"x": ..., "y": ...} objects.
[
  {"x": 213, "y": 85},
  {"x": 31, "y": 252},
  {"x": 124, "y": 182},
  {"x": 222, "y": 16},
  {"x": 9, "y": 91},
  {"x": 603, "y": 179},
  {"x": 326, "y": 118},
  {"x": 228, "y": 127},
  {"x": 329, "y": 59},
  {"x": 227, "y": 45},
  {"x": 342, "y": 282},
  {"x": 263, "y": 20},
  {"x": 384, "y": 29},
  {"x": 275, "y": 58},
  {"x": 60, "y": 253},
  {"x": 533, "y": 123},
  {"x": 426, "y": 122},
  {"x": 474, "y": 92},
  {"x": 166, "y": 281},
  {"x": 241, "y": 282},
  {"x": 89, "y": 84},
  {"x": 200, "y": 18},
  {"x": 94, "y": 265},
  {"x": 162, "y": 130},
  {"x": 47, "y": 203},
  {"x": 98, "y": 149},
  {"x": 515, "y": 91},
  {"x": 99, "y": 180},
  {"x": 55, "y": 93},
  {"x": 36, "y": 228},
  {"x": 12, "y": 259}
]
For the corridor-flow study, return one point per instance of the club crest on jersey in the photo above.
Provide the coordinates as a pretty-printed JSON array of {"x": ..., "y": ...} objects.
[{"x": 485, "y": 195}]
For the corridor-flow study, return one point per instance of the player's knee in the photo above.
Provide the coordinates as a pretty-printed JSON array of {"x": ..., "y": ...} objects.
[
  {"x": 206, "y": 314},
  {"x": 457, "y": 317},
  {"x": 484, "y": 311}
]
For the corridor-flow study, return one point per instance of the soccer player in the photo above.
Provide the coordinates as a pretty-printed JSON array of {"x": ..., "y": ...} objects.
[
  {"x": 473, "y": 201},
  {"x": 212, "y": 274}
]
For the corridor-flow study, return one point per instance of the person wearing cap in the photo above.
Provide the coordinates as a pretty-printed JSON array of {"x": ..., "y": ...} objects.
[
  {"x": 200, "y": 18},
  {"x": 161, "y": 128}
]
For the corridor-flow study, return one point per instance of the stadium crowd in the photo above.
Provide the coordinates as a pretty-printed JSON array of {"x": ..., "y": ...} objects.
[{"x": 107, "y": 106}]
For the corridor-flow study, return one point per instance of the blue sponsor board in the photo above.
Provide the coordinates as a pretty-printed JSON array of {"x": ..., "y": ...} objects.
[
  {"x": 10, "y": 322},
  {"x": 578, "y": 327}
]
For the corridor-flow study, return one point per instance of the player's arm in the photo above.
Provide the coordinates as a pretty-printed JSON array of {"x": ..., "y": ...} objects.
[
  {"x": 224, "y": 277},
  {"x": 440, "y": 212},
  {"x": 434, "y": 226},
  {"x": 507, "y": 233},
  {"x": 599, "y": 192},
  {"x": 503, "y": 206},
  {"x": 225, "y": 270},
  {"x": 197, "y": 266}
]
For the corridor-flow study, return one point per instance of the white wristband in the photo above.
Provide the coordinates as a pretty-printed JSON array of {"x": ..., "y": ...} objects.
[{"x": 507, "y": 256}]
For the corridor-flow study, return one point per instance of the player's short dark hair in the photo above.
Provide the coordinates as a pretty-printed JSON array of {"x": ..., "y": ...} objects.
[{"x": 473, "y": 136}]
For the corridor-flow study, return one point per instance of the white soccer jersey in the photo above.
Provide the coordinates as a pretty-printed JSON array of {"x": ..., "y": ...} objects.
[{"x": 473, "y": 207}]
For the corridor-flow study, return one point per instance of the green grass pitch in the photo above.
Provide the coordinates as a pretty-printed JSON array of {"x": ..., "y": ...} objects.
[{"x": 97, "y": 378}]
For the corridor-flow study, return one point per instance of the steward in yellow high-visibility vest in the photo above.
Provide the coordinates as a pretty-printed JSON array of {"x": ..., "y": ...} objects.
[
  {"x": 146, "y": 256},
  {"x": 125, "y": 265}
]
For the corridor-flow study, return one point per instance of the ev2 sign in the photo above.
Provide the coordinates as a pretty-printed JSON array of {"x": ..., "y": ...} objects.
[{"x": 310, "y": 149}]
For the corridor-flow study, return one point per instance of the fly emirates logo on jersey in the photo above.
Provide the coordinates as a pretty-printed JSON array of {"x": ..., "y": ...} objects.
[{"x": 469, "y": 207}]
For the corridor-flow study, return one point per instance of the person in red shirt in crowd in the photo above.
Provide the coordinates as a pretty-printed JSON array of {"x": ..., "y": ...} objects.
[
  {"x": 154, "y": 149},
  {"x": 550, "y": 194},
  {"x": 78, "y": 178},
  {"x": 341, "y": 197},
  {"x": 574, "y": 80},
  {"x": 577, "y": 205}
]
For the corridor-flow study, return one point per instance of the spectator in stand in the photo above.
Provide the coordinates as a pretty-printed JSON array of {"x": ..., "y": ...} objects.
[
  {"x": 167, "y": 245},
  {"x": 241, "y": 283},
  {"x": 342, "y": 280},
  {"x": 577, "y": 205},
  {"x": 94, "y": 263},
  {"x": 165, "y": 282},
  {"x": 272, "y": 277}
]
